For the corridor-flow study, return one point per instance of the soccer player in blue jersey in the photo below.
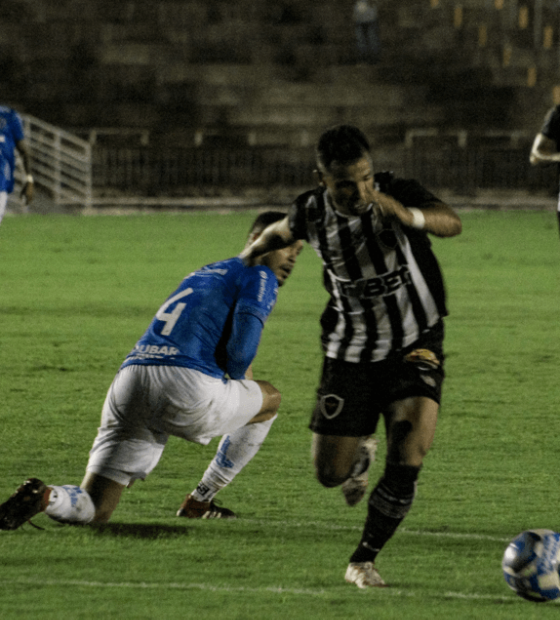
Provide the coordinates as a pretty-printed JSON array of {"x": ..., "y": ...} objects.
[
  {"x": 12, "y": 138},
  {"x": 189, "y": 376}
]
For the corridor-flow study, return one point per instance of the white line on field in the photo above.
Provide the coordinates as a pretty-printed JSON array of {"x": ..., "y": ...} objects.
[
  {"x": 143, "y": 585},
  {"x": 402, "y": 530}
]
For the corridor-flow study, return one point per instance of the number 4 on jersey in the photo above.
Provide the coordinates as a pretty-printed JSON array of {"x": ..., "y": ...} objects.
[{"x": 170, "y": 318}]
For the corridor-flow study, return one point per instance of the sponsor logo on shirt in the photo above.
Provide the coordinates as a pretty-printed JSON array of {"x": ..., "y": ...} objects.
[
  {"x": 262, "y": 287},
  {"x": 151, "y": 351},
  {"x": 380, "y": 286}
]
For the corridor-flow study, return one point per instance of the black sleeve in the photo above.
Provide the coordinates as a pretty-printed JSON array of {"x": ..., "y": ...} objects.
[
  {"x": 410, "y": 193},
  {"x": 551, "y": 125},
  {"x": 297, "y": 216}
]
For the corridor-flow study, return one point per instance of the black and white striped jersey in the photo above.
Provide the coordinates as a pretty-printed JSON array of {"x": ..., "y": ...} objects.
[{"x": 384, "y": 282}]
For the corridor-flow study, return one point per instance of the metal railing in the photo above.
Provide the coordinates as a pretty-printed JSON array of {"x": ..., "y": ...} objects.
[{"x": 60, "y": 162}]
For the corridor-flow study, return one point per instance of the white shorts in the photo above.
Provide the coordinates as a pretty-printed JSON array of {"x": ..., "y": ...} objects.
[{"x": 147, "y": 404}]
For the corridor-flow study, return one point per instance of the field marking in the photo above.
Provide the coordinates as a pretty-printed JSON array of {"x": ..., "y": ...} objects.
[
  {"x": 143, "y": 585},
  {"x": 359, "y": 528}
]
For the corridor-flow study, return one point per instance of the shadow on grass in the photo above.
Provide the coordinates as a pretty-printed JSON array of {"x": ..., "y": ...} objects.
[{"x": 140, "y": 530}]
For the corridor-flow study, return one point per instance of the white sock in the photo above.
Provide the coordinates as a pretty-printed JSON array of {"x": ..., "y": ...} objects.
[
  {"x": 234, "y": 452},
  {"x": 70, "y": 504}
]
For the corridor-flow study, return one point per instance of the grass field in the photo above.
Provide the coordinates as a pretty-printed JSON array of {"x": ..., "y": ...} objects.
[{"x": 75, "y": 295}]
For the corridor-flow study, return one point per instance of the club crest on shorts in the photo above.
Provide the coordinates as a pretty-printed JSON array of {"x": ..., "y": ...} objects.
[{"x": 331, "y": 405}]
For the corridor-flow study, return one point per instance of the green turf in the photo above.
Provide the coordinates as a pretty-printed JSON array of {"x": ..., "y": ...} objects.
[{"x": 76, "y": 293}]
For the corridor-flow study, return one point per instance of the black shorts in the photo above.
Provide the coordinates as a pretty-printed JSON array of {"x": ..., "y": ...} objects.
[{"x": 351, "y": 396}]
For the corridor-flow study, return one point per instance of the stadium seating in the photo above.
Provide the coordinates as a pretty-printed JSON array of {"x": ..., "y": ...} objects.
[{"x": 213, "y": 73}]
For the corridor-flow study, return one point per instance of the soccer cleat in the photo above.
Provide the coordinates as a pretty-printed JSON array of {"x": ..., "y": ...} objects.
[
  {"x": 355, "y": 487},
  {"x": 25, "y": 503},
  {"x": 193, "y": 509},
  {"x": 364, "y": 575}
]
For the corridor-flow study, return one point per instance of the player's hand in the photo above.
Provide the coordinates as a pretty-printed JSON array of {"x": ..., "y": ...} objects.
[
  {"x": 386, "y": 205},
  {"x": 27, "y": 192}
]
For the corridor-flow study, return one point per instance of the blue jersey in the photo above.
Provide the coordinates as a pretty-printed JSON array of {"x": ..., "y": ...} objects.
[
  {"x": 212, "y": 322},
  {"x": 11, "y": 132}
]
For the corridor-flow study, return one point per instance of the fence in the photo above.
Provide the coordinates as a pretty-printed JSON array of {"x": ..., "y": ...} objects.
[
  {"x": 60, "y": 162},
  {"x": 71, "y": 169},
  {"x": 461, "y": 169}
]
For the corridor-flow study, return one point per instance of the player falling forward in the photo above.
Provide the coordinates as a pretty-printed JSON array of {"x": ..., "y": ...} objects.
[
  {"x": 175, "y": 382},
  {"x": 382, "y": 329}
]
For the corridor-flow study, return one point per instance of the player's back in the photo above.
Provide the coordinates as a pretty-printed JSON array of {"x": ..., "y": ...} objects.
[{"x": 194, "y": 324}]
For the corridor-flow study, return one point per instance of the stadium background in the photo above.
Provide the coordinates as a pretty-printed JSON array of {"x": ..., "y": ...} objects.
[
  {"x": 180, "y": 105},
  {"x": 175, "y": 104}
]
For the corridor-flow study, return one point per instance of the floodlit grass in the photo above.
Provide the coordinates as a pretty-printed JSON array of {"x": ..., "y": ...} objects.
[{"x": 75, "y": 295}]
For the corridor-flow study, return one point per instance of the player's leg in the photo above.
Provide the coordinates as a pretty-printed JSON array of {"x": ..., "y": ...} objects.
[
  {"x": 236, "y": 449},
  {"x": 3, "y": 204},
  {"x": 67, "y": 504},
  {"x": 410, "y": 427},
  {"x": 343, "y": 420},
  {"x": 335, "y": 457},
  {"x": 104, "y": 493},
  {"x": 124, "y": 449}
]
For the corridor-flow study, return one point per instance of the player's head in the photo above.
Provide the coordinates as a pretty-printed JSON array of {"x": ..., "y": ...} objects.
[
  {"x": 341, "y": 146},
  {"x": 263, "y": 220},
  {"x": 282, "y": 261},
  {"x": 344, "y": 168}
]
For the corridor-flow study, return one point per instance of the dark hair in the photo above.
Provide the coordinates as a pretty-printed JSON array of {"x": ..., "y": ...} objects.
[
  {"x": 344, "y": 144},
  {"x": 265, "y": 219}
]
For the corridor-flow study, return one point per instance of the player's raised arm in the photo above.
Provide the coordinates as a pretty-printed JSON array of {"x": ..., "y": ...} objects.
[
  {"x": 275, "y": 237},
  {"x": 433, "y": 216},
  {"x": 543, "y": 151}
]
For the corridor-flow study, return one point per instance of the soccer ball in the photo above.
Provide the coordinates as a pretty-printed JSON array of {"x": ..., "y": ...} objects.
[{"x": 530, "y": 565}]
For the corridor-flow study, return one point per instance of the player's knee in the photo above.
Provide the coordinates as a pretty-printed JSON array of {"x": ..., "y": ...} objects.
[
  {"x": 271, "y": 399},
  {"x": 401, "y": 479},
  {"x": 329, "y": 477}
]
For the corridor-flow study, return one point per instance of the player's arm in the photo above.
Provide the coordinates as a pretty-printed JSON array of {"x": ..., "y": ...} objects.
[
  {"x": 243, "y": 344},
  {"x": 275, "y": 237},
  {"x": 28, "y": 188},
  {"x": 434, "y": 217},
  {"x": 543, "y": 151}
]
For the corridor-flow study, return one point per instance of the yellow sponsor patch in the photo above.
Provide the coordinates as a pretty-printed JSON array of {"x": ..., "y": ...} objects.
[{"x": 423, "y": 356}]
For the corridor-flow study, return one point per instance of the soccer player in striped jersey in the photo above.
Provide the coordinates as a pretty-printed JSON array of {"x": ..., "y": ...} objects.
[
  {"x": 382, "y": 328},
  {"x": 189, "y": 376},
  {"x": 546, "y": 145}
]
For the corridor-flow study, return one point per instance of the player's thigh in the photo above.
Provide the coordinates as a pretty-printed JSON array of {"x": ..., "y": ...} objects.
[
  {"x": 201, "y": 407},
  {"x": 411, "y": 425},
  {"x": 347, "y": 402},
  {"x": 105, "y": 494},
  {"x": 334, "y": 457},
  {"x": 125, "y": 447}
]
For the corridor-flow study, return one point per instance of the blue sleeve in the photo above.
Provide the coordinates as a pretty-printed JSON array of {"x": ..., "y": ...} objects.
[
  {"x": 243, "y": 343},
  {"x": 259, "y": 288},
  {"x": 17, "y": 127}
]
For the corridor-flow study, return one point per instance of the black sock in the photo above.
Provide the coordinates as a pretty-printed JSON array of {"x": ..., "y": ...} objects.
[{"x": 388, "y": 505}]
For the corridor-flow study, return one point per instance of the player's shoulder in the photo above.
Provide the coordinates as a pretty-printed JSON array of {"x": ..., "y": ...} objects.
[
  {"x": 406, "y": 190},
  {"x": 9, "y": 113},
  {"x": 310, "y": 198},
  {"x": 310, "y": 203}
]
